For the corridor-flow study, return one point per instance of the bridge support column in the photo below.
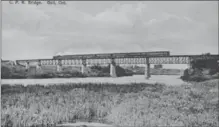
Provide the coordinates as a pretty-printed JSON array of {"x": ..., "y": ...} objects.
[
  {"x": 59, "y": 66},
  {"x": 27, "y": 66},
  {"x": 190, "y": 69},
  {"x": 38, "y": 67},
  {"x": 147, "y": 69},
  {"x": 14, "y": 63},
  {"x": 83, "y": 67},
  {"x": 182, "y": 72},
  {"x": 113, "y": 69},
  {"x": 189, "y": 66}
]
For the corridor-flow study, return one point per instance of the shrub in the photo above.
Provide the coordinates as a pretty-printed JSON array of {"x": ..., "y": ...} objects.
[
  {"x": 12, "y": 72},
  {"x": 185, "y": 75},
  {"x": 123, "y": 72},
  {"x": 97, "y": 67},
  {"x": 6, "y": 72},
  {"x": 213, "y": 71},
  {"x": 198, "y": 75}
]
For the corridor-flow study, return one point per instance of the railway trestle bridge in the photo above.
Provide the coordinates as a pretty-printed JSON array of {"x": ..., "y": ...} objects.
[{"x": 146, "y": 58}]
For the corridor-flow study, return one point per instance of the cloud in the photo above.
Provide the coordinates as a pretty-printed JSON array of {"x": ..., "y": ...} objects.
[
  {"x": 23, "y": 46},
  {"x": 17, "y": 16},
  {"x": 125, "y": 14},
  {"x": 44, "y": 30}
]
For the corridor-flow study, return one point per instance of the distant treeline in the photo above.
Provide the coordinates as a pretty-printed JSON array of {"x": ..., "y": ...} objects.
[{"x": 18, "y": 72}]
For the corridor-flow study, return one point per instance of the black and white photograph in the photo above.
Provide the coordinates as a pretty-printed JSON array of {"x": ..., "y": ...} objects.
[{"x": 109, "y": 63}]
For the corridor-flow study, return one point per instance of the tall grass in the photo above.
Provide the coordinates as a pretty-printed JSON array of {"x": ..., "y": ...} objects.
[{"x": 137, "y": 105}]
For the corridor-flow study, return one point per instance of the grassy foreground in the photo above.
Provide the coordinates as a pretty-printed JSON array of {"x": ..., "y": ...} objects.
[{"x": 138, "y": 105}]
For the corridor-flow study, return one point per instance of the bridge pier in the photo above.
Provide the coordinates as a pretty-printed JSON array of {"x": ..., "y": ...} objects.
[
  {"x": 83, "y": 67},
  {"x": 31, "y": 71},
  {"x": 189, "y": 66},
  {"x": 113, "y": 69},
  {"x": 14, "y": 63},
  {"x": 190, "y": 63},
  {"x": 182, "y": 72},
  {"x": 27, "y": 66},
  {"x": 38, "y": 66},
  {"x": 147, "y": 69},
  {"x": 59, "y": 66}
]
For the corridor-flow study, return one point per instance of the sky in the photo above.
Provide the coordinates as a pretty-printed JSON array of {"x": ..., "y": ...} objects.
[{"x": 181, "y": 27}]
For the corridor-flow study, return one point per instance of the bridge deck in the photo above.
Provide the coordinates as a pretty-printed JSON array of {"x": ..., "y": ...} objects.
[{"x": 138, "y": 59}]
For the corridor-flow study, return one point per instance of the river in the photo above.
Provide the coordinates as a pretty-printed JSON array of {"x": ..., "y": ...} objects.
[{"x": 164, "y": 79}]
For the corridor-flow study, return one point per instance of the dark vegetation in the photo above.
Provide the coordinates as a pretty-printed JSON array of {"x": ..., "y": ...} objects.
[
  {"x": 158, "y": 71},
  {"x": 18, "y": 72},
  {"x": 8, "y": 72},
  {"x": 101, "y": 70},
  {"x": 202, "y": 70},
  {"x": 136, "y": 105}
]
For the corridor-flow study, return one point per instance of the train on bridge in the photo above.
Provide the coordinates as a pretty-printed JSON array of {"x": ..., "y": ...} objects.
[{"x": 114, "y": 55}]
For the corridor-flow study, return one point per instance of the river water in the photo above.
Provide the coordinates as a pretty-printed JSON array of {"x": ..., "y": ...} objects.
[{"x": 164, "y": 79}]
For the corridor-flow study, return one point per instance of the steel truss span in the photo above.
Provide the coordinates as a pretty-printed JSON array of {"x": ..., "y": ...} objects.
[
  {"x": 114, "y": 55},
  {"x": 174, "y": 59}
]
